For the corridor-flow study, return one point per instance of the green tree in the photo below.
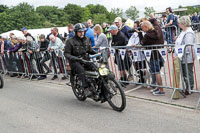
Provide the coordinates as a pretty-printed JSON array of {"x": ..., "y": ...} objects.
[
  {"x": 111, "y": 16},
  {"x": 53, "y": 15},
  {"x": 100, "y": 18},
  {"x": 22, "y": 15},
  {"x": 74, "y": 12},
  {"x": 148, "y": 10},
  {"x": 97, "y": 9},
  {"x": 132, "y": 13},
  {"x": 86, "y": 15},
  {"x": 117, "y": 12},
  {"x": 3, "y": 8}
]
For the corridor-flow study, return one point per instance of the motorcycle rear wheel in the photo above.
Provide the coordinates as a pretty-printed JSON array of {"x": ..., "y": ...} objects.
[{"x": 76, "y": 87}]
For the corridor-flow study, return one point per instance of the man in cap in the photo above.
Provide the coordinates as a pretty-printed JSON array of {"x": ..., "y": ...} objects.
[
  {"x": 119, "y": 39},
  {"x": 26, "y": 34},
  {"x": 123, "y": 28}
]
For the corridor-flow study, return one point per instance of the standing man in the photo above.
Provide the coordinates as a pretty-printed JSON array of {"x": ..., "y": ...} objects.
[
  {"x": 195, "y": 18},
  {"x": 70, "y": 34},
  {"x": 90, "y": 23},
  {"x": 26, "y": 34},
  {"x": 33, "y": 49},
  {"x": 90, "y": 34},
  {"x": 153, "y": 36},
  {"x": 170, "y": 31},
  {"x": 119, "y": 39},
  {"x": 195, "y": 22},
  {"x": 56, "y": 34},
  {"x": 123, "y": 28}
]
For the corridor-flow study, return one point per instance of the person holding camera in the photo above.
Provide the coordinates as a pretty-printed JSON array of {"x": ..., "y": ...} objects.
[
  {"x": 139, "y": 62},
  {"x": 153, "y": 36}
]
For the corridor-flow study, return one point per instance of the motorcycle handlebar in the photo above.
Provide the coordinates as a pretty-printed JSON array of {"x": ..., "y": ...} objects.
[{"x": 95, "y": 55}]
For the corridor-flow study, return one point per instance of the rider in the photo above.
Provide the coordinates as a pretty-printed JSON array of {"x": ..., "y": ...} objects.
[{"x": 76, "y": 49}]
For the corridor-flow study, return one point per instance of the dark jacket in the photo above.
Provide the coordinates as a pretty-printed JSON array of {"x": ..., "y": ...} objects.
[
  {"x": 71, "y": 34},
  {"x": 152, "y": 37},
  {"x": 119, "y": 39},
  {"x": 195, "y": 19},
  {"x": 59, "y": 36},
  {"x": 16, "y": 48},
  {"x": 7, "y": 45},
  {"x": 44, "y": 45},
  {"x": 23, "y": 48},
  {"x": 78, "y": 48},
  {"x": 125, "y": 30}
]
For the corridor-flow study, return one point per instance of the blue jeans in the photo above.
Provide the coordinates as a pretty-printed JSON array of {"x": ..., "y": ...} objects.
[
  {"x": 170, "y": 35},
  {"x": 156, "y": 65}
]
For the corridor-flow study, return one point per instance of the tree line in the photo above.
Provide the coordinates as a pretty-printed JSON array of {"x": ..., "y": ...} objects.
[{"x": 25, "y": 15}]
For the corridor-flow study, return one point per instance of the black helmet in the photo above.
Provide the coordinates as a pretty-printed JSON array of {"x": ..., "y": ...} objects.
[{"x": 79, "y": 27}]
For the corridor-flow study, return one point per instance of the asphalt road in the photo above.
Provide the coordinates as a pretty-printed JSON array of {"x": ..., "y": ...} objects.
[{"x": 37, "y": 107}]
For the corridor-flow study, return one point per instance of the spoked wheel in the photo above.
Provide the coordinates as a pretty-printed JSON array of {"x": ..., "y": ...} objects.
[
  {"x": 1, "y": 82},
  {"x": 76, "y": 87},
  {"x": 115, "y": 95}
]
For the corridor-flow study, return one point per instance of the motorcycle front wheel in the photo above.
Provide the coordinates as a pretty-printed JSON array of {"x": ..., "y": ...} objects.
[{"x": 115, "y": 95}]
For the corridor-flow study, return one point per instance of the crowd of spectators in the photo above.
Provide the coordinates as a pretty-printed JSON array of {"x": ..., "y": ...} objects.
[{"x": 147, "y": 31}]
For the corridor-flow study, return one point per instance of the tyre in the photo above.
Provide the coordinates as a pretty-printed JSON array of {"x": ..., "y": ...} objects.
[
  {"x": 115, "y": 95},
  {"x": 77, "y": 89},
  {"x": 1, "y": 82}
]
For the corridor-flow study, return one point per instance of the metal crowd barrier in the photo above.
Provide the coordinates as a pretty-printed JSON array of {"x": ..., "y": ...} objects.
[
  {"x": 192, "y": 58},
  {"x": 130, "y": 66},
  {"x": 136, "y": 65},
  {"x": 170, "y": 32},
  {"x": 33, "y": 65}
]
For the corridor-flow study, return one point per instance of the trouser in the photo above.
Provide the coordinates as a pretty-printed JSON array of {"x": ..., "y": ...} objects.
[
  {"x": 191, "y": 75},
  {"x": 37, "y": 60},
  {"x": 20, "y": 63},
  {"x": 170, "y": 35},
  {"x": 59, "y": 61},
  {"x": 80, "y": 70},
  {"x": 45, "y": 58},
  {"x": 61, "y": 64},
  {"x": 54, "y": 58}
]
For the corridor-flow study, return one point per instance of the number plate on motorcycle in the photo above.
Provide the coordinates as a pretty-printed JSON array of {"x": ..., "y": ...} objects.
[{"x": 103, "y": 71}]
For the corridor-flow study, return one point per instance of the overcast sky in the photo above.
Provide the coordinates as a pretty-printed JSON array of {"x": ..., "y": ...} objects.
[{"x": 158, "y": 5}]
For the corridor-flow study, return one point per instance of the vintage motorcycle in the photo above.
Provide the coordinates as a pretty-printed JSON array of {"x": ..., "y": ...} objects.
[{"x": 102, "y": 84}]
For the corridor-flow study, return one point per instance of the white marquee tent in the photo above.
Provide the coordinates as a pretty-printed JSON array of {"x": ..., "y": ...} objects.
[{"x": 36, "y": 32}]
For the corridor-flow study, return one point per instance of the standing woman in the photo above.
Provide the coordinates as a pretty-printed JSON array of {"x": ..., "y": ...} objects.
[
  {"x": 100, "y": 38},
  {"x": 187, "y": 36},
  {"x": 101, "y": 41}
]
